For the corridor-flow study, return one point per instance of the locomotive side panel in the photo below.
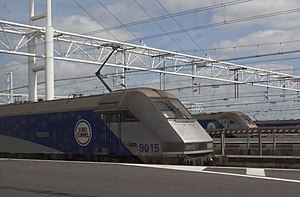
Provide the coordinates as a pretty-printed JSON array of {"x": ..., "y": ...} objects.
[{"x": 80, "y": 132}]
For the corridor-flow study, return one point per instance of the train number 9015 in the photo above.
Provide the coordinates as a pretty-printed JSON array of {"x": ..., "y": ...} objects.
[{"x": 145, "y": 148}]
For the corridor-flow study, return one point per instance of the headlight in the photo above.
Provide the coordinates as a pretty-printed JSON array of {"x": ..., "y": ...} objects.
[{"x": 210, "y": 145}]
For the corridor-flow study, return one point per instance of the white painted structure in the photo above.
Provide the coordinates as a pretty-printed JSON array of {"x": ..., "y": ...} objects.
[
  {"x": 49, "y": 62},
  {"x": 20, "y": 39}
]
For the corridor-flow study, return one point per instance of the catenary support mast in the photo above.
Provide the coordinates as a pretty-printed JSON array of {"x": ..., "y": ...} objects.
[
  {"x": 32, "y": 75},
  {"x": 49, "y": 61}
]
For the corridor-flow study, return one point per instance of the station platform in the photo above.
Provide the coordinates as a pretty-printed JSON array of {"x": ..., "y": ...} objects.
[{"x": 258, "y": 161}]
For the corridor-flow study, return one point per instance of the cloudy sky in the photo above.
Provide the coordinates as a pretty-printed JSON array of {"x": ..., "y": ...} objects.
[{"x": 232, "y": 30}]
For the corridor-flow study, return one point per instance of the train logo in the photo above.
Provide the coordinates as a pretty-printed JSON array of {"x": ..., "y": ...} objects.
[
  {"x": 83, "y": 132},
  {"x": 211, "y": 125}
]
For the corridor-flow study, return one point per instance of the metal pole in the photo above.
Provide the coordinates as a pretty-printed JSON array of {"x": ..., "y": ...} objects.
[
  {"x": 160, "y": 81},
  {"x": 274, "y": 143},
  {"x": 32, "y": 76},
  {"x": 193, "y": 79},
  {"x": 248, "y": 143},
  {"x": 223, "y": 143},
  {"x": 260, "y": 143},
  {"x": 123, "y": 76},
  {"x": 9, "y": 87},
  {"x": 49, "y": 60},
  {"x": 163, "y": 77}
]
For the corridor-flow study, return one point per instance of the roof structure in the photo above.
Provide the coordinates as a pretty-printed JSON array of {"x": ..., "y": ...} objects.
[{"x": 14, "y": 38}]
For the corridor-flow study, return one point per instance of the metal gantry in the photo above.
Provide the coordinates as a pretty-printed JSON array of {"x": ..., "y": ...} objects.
[{"x": 15, "y": 37}]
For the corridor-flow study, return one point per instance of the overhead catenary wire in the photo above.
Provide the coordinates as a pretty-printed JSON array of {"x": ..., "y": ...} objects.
[
  {"x": 97, "y": 21},
  {"x": 159, "y": 25},
  {"x": 169, "y": 35},
  {"x": 270, "y": 60},
  {"x": 261, "y": 55},
  {"x": 117, "y": 19},
  {"x": 179, "y": 25},
  {"x": 222, "y": 23},
  {"x": 191, "y": 11},
  {"x": 246, "y": 46}
]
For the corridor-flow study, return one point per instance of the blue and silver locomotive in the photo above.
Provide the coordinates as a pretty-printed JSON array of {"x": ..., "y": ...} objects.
[{"x": 141, "y": 124}]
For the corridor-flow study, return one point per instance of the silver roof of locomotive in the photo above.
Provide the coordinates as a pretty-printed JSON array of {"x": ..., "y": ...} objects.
[{"x": 80, "y": 103}]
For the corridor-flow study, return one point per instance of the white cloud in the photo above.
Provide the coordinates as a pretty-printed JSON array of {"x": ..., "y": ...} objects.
[
  {"x": 75, "y": 23},
  {"x": 284, "y": 68},
  {"x": 84, "y": 25},
  {"x": 235, "y": 10},
  {"x": 256, "y": 8},
  {"x": 125, "y": 11},
  {"x": 253, "y": 32},
  {"x": 258, "y": 43},
  {"x": 179, "y": 5}
]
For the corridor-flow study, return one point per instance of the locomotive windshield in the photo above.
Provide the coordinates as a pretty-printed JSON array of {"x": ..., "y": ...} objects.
[
  {"x": 172, "y": 109},
  {"x": 247, "y": 119},
  {"x": 249, "y": 122}
]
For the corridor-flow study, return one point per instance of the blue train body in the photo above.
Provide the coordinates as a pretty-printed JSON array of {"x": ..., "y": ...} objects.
[
  {"x": 58, "y": 131},
  {"x": 211, "y": 124},
  {"x": 225, "y": 120},
  {"x": 278, "y": 123}
]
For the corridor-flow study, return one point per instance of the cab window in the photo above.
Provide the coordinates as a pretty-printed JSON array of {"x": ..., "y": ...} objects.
[{"x": 116, "y": 116}]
